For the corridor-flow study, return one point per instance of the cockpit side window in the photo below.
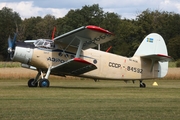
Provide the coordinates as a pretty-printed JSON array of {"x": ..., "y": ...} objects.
[
  {"x": 40, "y": 43},
  {"x": 52, "y": 45}
]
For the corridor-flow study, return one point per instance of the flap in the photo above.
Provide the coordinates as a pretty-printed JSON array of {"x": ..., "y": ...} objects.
[
  {"x": 91, "y": 36},
  {"x": 74, "y": 66},
  {"x": 158, "y": 57}
]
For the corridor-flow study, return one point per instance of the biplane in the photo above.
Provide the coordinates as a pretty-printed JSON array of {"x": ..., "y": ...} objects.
[{"x": 71, "y": 54}]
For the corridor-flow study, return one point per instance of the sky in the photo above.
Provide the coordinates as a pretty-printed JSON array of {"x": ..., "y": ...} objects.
[{"x": 59, "y": 8}]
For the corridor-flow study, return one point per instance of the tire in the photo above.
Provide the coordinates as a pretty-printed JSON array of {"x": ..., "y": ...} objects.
[
  {"x": 44, "y": 83},
  {"x": 142, "y": 85},
  {"x": 31, "y": 83}
]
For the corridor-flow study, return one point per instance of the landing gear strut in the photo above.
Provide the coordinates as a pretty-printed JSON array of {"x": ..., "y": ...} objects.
[
  {"x": 142, "y": 85},
  {"x": 43, "y": 82}
]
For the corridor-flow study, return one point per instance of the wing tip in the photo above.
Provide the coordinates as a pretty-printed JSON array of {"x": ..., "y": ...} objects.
[
  {"x": 166, "y": 56},
  {"x": 99, "y": 29},
  {"x": 162, "y": 55},
  {"x": 81, "y": 60}
]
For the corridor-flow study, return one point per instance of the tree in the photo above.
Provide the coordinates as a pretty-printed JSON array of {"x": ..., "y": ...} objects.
[
  {"x": 28, "y": 28},
  {"x": 37, "y": 27},
  {"x": 88, "y": 15},
  {"x": 126, "y": 40},
  {"x": 45, "y": 27},
  {"x": 9, "y": 21},
  {"x": 110, "y": 22},
  {"x": 174, "y": 47}
]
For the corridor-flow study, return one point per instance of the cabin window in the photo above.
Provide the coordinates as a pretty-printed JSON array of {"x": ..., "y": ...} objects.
[{"x": 44, "y": 43}]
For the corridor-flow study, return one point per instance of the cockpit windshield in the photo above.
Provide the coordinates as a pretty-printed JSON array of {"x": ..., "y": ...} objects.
[{"x": 44, "y": 43}]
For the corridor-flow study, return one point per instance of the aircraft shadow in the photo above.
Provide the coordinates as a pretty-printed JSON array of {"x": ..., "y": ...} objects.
[
  {"x": 67, "y": 87},
  {"x": 86, "y": 87}
]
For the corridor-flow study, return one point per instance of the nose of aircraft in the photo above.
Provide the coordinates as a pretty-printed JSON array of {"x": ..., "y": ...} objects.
[{"x": 11, "y": 45}]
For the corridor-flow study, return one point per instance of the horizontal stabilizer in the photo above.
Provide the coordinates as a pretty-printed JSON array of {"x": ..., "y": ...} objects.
[
  {"x": 158, "y": 57},
  {"x": 74, "y": 66}
]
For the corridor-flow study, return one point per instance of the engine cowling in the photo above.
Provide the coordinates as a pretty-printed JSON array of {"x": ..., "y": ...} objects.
[{"x": 22, "y": 54}]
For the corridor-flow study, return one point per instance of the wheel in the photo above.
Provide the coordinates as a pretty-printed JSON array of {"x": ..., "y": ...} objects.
[
  {"x": 142, "y": 85},
  {"x": 31, "y": 83},
  {"x": 44, "y": 83}
]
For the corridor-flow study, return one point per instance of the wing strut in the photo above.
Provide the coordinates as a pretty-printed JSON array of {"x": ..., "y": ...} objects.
[
  {"x": 79, "y": 48},
  {"x": 82, "y": 41}
]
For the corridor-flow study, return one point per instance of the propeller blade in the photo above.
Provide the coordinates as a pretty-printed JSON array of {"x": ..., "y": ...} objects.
[
  {"x": 10, "y": 42},
  {"x": 11, "y": 45},
  {"x": 14, "y": 40}
]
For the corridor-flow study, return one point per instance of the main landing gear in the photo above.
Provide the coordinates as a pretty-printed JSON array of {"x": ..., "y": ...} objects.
[
  {"x": 43, "y": 82},
  {"x": 142, "y": 85}
]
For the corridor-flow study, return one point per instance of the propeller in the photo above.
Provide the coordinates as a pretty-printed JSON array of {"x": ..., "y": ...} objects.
[{"x": 11, "y": 45}]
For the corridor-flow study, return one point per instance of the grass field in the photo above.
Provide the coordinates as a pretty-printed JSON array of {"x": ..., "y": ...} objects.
[
  {"x": 89, "y": 100},
  {"x": 9, "y": 64},
  {"x": 84, "y": 99}
]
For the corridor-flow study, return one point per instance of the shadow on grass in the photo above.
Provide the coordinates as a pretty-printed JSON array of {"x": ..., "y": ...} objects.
[
  {"x": 68, "y": 87},
  {"x": 61, "y": 87},
  {"x": 84, "y": 87}
]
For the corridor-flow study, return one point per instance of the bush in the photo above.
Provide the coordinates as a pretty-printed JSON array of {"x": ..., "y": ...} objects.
[{"x": 178, "y": 63}]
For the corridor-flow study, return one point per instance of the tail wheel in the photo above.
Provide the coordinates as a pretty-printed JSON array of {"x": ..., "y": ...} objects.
[
  {"x": 44, "y": 83},
  {"x": 142, "y": 85},
  {"x": 32, "y": 83}
]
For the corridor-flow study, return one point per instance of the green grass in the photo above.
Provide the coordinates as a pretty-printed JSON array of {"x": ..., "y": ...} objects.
[
  {"x": 9, "y": 64},
  {"x": 88, "y": 100}
]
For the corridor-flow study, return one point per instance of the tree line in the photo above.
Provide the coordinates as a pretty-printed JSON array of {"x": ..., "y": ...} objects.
[{"x": 129, "y": 33}]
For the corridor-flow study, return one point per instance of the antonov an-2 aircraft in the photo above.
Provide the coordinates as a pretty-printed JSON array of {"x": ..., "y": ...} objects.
[{"x": 71, "y": 54}]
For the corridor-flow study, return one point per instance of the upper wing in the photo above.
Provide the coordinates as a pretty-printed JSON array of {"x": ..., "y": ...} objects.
[
  {"x": 74, "y": 66},
  {"x": 90, "y": 35}
]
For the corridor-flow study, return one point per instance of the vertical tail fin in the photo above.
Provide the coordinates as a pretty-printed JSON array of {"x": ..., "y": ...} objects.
[
  {"x": 154, "y": 48},
  {"x": 152, "y": 44}
]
